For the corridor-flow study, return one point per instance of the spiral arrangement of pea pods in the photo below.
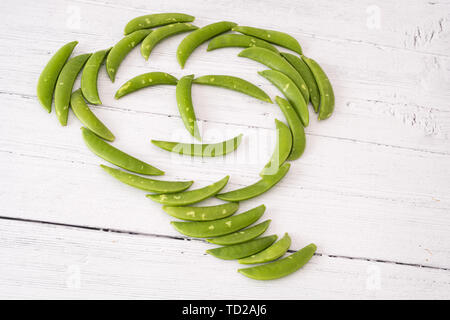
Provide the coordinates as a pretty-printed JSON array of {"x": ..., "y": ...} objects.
[{"x": 300, "y": 79}]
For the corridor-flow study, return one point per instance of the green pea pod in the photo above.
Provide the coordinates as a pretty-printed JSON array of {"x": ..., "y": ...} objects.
[
  {"x": 282, "y": 150},
  {"x": 49, "y": 76},
  {"x": 275, "y": 251},
  {"x": 199, "y": 36},
  {"x": 238, "y": 40},
  {"x": 121, "y": 50},
  {"x": 145, "y": 80},
  {"x": 162, "y": 33},
  {"x": 207, "y": 229},
  {"x": 115, "y": 156},
  {"x": 185, "y": 106},
  {"x": 87, "y": 117},
  {"x": 64, "y": 86},
  {"x": 200, "y": 150},
  {"x": 190, "y": 197},
  {"x": 242, "y": 235},
  {"x": 203, "y": 213},
  {"x": 256, "y": 189},
  {"x": 156, "y": 20},
  {"x": 282, "y": 267},
  {"x": 90, "y": 75},
  {"x": 235, "y": 84},
  {"x": 150, "y": 185},
  {"x": 241, "y": 250}
]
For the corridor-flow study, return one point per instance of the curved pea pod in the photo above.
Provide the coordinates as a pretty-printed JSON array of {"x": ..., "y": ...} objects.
[
  {"x": 238, "y": 40},
  {"x": 242, "y": 235},
  {"x": 235, "y": 84},
  {"x": 203, "y": 213},
  {"x": 280, "y": 38},
  {"x": 207, "y": 229},
  {"x": 90, "y": 75},
  {"x": 241, "y": 250},
  {"x": 296, "y": 126},
  {"x": 64, "y": 86},
  {"x": 49, "y": 76},
  {"x": 121, "y": 50},
  {"x": 326, "y": 106},
  {"x": 87, "y": 117},
  {"x": 275, "y": 251},
  {"x": 150, "y": 185},
  {"x": 115, "y": 156},
  {"x": 162, "y": 33},
  {"x": 145, "y": 80},
  {"x": 290, "y": 91},
  {"x": 282, "y": 150},
  {"x": 196, "y": 38},
  {"x": 156, "y": 20},
  {"x": 200, "y": 150},
  {"x": 185, "y": 106},
  {"x": 256, "y": 189},
  {"x": 190, "y": 197},
  {"x": 282, "y": 267}
]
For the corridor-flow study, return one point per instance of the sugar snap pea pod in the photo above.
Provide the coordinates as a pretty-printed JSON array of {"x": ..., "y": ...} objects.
[
  {"x": 273, "y": 252},
  {"x": 290, "y": 91},
  {"x": 145, "y": 80},
  {"x": 280, "y": 38},
  {"x": 64, "y": 86},
  {"x": 282, "y": 150},
  {"x": 185, "y": 106},
  {"x": 47, "y": 79},
  {"x": 242, "y": 235},
  {"x": 189, "y": 197},
  {"x": 241, "y": 250},
  {"x": 207, "y": 229},
  {"x": 115, "y": 156},
  {"x": 257, "y": 188},
  {"x": 238, "y": 40},
  {"x": 156, "y": 20},
  {"x": 282, "y": 267},
  {"x": 203, "y": 213},
  {"x": 121, "y": 49},
  {"x": 276, "y": 62},
  {"x": 326, "y": 90},
  {"x": 162, "y": 33},
  {"x": 87, "y": 117},
  {"x": 234, "y": 83},
  {"x": 151, "y": 185},
  {"x": 296, "y": 126},
  {"x": 90, "y": 75},
  {"x": 307, "y": 75},
  {"x": 197, "y": 37}
]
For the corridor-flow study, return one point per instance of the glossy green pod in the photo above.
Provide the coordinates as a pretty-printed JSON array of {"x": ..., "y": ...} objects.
[
  {"x": 199, "y": 36},
  {"x": 282, "y": 150},
  {"x": 275, "y": 251},
  {"x": 326, "y": 90},
  {"x": 200, "y": 150},
  {"x": 203, "y": 213},
  {"x": 282, "y": 267},
  {"x": 241, "y": 235},
  {"x": 235, "y": 84},
  {"x": 64, "y": 86},
  {"x": 207, "y": 229},
  {"x": 145, "y": 80},
  {"x": 185, "y": 106},
  {"x": 280, "y": 38},
  {"x": 121, "y": 50},
  {"x": 296, "y": 126},
  {"x": 242, "y": 250},
  {"x": 90, "y": 75},
  {"x": 162, "y": 33},
  {"x": 49, "y": 76},
  {"x": 190, "y": 197},
  {"x": 257, "y": 188},
  {"x": 115, "y": 156},
  {"x": 238, "y": 40},
  {"x": 87, "y": 117},
  {"x": 156, "y": 20}
]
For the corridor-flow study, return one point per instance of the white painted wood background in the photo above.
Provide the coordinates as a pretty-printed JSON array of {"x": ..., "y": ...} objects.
[{"x": 372, "y": 189}]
